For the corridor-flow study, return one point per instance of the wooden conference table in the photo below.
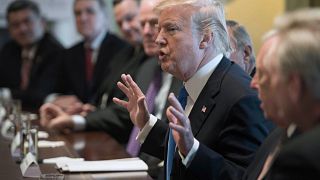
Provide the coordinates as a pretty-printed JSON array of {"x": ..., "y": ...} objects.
[{"x": 88, "y": 145}]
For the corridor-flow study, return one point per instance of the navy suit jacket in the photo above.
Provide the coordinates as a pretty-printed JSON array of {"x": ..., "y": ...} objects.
[
  {"x": 229, "y": 131},
  {"x": 43, "y": 75},
  {"x": 73, "y": 77}
]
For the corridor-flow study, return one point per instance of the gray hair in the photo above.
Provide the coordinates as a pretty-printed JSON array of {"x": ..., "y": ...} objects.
[
  {"x": 209, "y": 18},
  {"x": 299, "y": 47},
  {"x": 242, "y": 39}
]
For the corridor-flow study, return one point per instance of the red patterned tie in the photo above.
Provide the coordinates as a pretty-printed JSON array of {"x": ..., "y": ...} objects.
[{"x": 89, "y": 64}]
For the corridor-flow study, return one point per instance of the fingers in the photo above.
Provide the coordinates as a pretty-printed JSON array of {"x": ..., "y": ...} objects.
[
  {"x": 124, "y": 89},
  {"x": 120, "y": 102},
  {"x": 176, "y": 117},
  {"x": 175, "y": 103},
  {"x": 49, "y": 111},
  {"x": 136, "y": 90}
]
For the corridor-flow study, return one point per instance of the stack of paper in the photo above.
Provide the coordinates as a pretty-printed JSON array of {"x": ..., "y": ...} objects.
[{"x": 128, "y": 164}]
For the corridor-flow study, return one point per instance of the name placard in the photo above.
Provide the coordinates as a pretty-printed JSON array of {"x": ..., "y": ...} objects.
[{"x": 29, "y": 166}]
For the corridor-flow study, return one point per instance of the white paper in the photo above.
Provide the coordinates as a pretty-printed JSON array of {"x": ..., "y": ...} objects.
[
  {"x": 62, "y": 159},
  {"x": 128, "y": 164},
  {"x": 50, "y": 144},
  {"x": 43, "y": 135},
  {"x": 29, "y": 166},
  {"x": 120, "y": 175}
]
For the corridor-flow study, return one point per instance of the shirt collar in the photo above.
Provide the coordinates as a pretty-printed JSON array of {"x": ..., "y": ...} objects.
[
  {"x": 95, "y": 44},
  {"x": 196, "y": 83},
  {"x": 291, "y": 129}
]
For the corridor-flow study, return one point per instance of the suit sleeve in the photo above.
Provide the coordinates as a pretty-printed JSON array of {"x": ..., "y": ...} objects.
[
  {"x": 239, "y": 138},
  {"x": 114, "y": 120},
  {"x": 156, "y": 140}
]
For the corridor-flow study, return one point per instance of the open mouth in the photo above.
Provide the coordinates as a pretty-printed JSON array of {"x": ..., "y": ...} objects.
[{"x": 161, "y": 55}]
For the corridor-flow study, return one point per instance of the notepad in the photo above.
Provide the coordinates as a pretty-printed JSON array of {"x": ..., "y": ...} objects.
[{"x": 127, "y": 164}]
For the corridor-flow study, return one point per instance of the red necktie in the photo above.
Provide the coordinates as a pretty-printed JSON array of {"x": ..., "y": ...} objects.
[
  {"x": 89, "y": 64},
  {"x": 25, "y": 71}
]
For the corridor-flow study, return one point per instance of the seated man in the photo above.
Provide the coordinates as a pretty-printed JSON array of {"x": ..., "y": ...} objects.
[
  {"x": 214, "y": 130},
  {"x": 241, "y": 44},
  {"x": 28, "y": 64},
  {"x": 87, "y": 63}
]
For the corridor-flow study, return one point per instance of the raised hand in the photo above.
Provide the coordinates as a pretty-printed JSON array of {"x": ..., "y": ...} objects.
[
  {"x": 180, "y": 125},
  {"x": 136, "y": 104}
]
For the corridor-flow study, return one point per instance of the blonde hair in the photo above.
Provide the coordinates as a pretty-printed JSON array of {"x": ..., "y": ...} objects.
[{"x": 208, "y": 18}]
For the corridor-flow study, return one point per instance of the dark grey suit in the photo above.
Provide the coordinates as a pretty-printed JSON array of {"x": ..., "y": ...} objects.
[
  {"x": 269, "y": 145},
  {"x": 299, "y": 158}
]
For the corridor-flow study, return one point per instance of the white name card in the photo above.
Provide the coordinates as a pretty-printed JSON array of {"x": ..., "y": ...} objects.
[{"x": 29, "y": 166}]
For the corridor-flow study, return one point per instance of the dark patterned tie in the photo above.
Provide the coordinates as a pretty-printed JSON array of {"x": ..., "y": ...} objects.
[
  {"x": 25, "y": 70},
  {"x": 89, "y": 64},
  {"x": 183, "y": 95},
  {"x": 133, "y": 146}
]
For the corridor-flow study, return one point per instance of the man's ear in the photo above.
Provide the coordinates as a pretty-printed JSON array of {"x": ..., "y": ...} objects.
[
  {"x": 207, "y": 38},
  {"x": 247, "y": 53},
  {"x": 296, "y": 88}
]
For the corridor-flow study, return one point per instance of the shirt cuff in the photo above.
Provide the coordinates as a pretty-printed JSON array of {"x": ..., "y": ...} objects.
[
  {"x": 79, "y": 122},
  {"x": 142, "y": 135},
  {"x": 188, "y": 159},
  {"x": 51, "y": 97}
]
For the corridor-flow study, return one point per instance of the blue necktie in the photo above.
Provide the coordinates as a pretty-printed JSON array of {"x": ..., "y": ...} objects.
[{"x": 183, "y": 94}]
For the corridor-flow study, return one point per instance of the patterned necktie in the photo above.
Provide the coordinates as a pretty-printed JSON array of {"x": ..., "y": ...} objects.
[
  {"x": 133, "y": 146},
  {"x": 89, "y": 64},
  {"x": 25, "y": 70},
  {"x": 183, "y": 95}
]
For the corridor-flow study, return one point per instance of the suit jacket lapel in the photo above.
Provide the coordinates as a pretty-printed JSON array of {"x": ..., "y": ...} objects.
[{"x": 206, "y": 100}]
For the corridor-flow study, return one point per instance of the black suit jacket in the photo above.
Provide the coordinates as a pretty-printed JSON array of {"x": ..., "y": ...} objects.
[
  {"x": 43, "y": 75},
  {"x": 73, "y": 77},
  {"x": 269, "y": 145},
  {"x": 299, "y": 158},
  {"x": 229, "y": 131}
]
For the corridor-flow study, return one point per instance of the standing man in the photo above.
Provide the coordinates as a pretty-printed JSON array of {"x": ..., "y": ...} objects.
[
  {"x": 29, "y": 63},
  {"x": 225, "y": 126},
  {"x": 88, "y": 62}
]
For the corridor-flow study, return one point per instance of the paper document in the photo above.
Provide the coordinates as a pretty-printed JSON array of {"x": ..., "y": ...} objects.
[
  {"x": 62, "y": 159},
  {"x": 127, "y": 164},
  {"x": 50, "y": 144}
]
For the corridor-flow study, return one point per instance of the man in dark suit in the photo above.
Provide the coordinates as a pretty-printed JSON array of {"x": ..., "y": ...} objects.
[
  {"x": 29, "y": 63},
  {"x": 289, "y": 96},
  {"x": 87, "y": 63},
  {"x": 259, "y": 169},
  {"x": 105, "y": 116},
  {"x": 227, "y": 126},
  {"x": 296, "y": 80}
]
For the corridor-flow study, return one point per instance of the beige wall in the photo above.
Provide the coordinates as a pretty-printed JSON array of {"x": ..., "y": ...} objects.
[{"x": 256, "y": 15}]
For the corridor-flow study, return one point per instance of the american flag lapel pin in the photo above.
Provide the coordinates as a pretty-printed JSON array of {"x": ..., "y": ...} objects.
[{"x": 204, "y": 109}]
